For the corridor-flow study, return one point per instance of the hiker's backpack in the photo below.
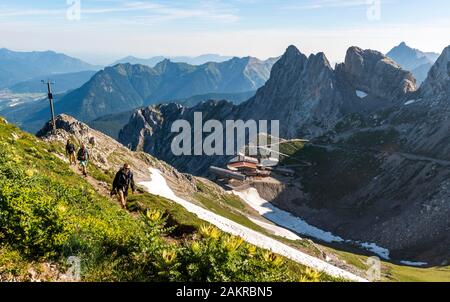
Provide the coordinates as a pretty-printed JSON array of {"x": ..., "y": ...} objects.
[
  {"x": 70, "y": 148},
  {"x": 82, "y": 154}
]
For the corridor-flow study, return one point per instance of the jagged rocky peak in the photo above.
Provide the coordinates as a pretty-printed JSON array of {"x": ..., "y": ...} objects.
[
  {"x": 64, "y": 123},
  {"x": 108, "y": 154},
  {"x": 437, "y": 84},
  {"x": 292, "y": 50},
  {"x": 375, "y": 74},
  {"x": 153, "y": 114},
  {"x": 292, "y": 54},
  {"x": 320, "y": 57},
  {"x": 167, "y": 66},
  {"x": 124, "y": 69},
  {"x": 164, "y": 64},
  {"x": 291, "y": 58},
  {"x": 68, "y": 127},
  {"x": 145, "y": 121},
  {"x": 294, "y": 69},
  {"x": 401, "y": 51},
  {"x": 318, "y": 63},
  {"x": 299, "y": 91}
]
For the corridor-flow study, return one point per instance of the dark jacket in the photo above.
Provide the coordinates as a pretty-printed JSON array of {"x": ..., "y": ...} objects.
[
  {"x": 123, "y": 181},
  {"x": 70, "y": 148},
  {"x": 83, "y": 154}
]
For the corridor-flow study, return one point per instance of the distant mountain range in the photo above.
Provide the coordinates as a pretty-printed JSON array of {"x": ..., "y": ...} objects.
[
  {"x": 17, "y": 67},
  {"x": 125, "y": 87},
  {"x": 414, "y": 60},
  {"x": 62, "y": 82},
  {"x": 151, "y": 62}
]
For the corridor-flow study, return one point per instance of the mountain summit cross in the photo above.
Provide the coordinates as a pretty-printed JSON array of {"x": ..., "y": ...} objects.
[{"x": 50, "y": 99}]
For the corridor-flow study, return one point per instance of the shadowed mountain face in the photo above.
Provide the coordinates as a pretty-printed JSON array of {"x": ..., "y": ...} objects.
[
  {"x": 149, "y": 130},
  {"x": 375, "y": 74},
  {"x": 309, "y": 97},
  {"x": 21, "y": 66},
  {"x": 414, "y": 60},
  {"x": 380, "y": 147},
  {"x": 126, "y": 87},
  {"x": 437, "y": 84},
  {"x": 299, "y": 91}
]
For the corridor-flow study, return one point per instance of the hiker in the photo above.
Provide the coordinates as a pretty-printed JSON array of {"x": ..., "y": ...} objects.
[
  {"x": 70, "y": 152},
  {"x": 123, "y": 180},
  {"x": 92, "y": 141},
  {"x": 83, "y": 157}
]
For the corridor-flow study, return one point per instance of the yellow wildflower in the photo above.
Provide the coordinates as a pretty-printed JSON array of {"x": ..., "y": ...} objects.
[{"x": 169, "y": 256}]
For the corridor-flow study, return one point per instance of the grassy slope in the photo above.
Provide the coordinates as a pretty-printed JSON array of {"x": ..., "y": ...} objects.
[
  {"x": 394, "y": 272},
  {"x": 112, "y": 244}
]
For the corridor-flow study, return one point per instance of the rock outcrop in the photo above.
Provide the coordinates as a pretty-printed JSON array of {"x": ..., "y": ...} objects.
[
  {"x": 437, "y": 85},
  {"x": 149, "y": 130},
  {"x": 109, "y": 155},
  {"x": 375, "y": 74},
  {"x": 301, "y": 93}
]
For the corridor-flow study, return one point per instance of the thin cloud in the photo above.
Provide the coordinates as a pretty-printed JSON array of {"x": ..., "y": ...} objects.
[
  {"x": 328, "y": 4},
  {"x": 157, "y": 12},
  {"x": 161, "y": 13},
  {"x": 31, "y": 12}
]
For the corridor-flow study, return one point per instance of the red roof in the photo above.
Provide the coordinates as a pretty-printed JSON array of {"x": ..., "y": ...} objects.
[{"x": 241, "y": 165}]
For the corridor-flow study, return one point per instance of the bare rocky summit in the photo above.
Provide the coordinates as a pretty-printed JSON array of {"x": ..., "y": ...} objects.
[
  {"x": 375, "y": 74},
  {"x": 437, "y": 85},
  {"x": 109, "y": 155}
]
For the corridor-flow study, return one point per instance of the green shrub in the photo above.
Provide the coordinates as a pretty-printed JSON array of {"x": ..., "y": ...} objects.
[
  {"x": 217, "y": 256},
  {"x": 31, "y": 219}
]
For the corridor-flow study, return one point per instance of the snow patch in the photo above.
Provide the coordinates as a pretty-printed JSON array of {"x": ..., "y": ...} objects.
[
  {"x": 158, "y": 186},
  {"x": 361, "y": 94},
  {"x": 410, "y": 102},
  {"x": 380, "y": 251},
  {"x": 283, "y": 218},
  {"x": 298, "y": 225},
  {"x": 276, "y": 230},
  {"x": 411, "y": 263}
]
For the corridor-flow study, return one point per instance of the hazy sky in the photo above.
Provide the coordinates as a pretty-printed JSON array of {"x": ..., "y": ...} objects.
[{"x": 104, "y": 30}]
